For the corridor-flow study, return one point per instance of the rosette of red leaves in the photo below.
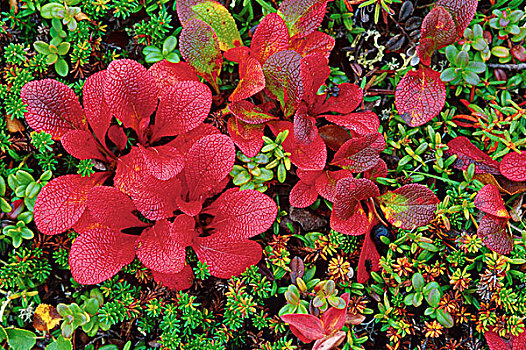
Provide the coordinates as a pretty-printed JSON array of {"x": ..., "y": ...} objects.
[
  {"x": 515, "y": 342},
  {"x": 421, "y": 94},
  {"x": 325, "y": 330}
]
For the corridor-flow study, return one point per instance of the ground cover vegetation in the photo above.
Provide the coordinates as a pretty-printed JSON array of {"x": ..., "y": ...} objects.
[{"x": 263, "y": 174}]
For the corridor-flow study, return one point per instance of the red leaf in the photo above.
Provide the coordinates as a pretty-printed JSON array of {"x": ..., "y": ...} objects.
[
  {"x": 237, "y": 54},
  {"x": 495, "y": 342},
  {"x": 208, "y": 162},
  {"x": 131, "y": 94},
  {"x": 361, "y": 123},
  {"x": 462, "y": 11},
  {"x": 177, "y": 281},
  {"x": 306, "y": 327},
  {"x": 271, "y": 36},
  {"x": 438, "y": 26},
  {"x": 162, "y": 247},
  {"x": 305, "y": 130},
  {"x": 425, "y": 50},
  {"x": 82, "y": 145},
  {"x": 182, "y": 108},
  {"x": 467, "y": 154},
  {"x": 154, "y": 198},
  {"x": 247, "y": 137},
  {"x": 315, "y": 42},
  {"x": 349, "y": 98},
  {"x": 302, "y": 195},
  {"x": 61, "y": 203},
  {"x": 110, "y": 207},
  {"x": 162, "y": 162},
  {"x": 409, "y": 206},
  {"x": 184, "y": 142},
  {"x": 252, "y": 80},
  {"x": 334, "y": 136},
  {"x": 379, "y": 170},
  {"x": 307, "y": 157},
  {"x": 250, "y": 113},
  {"x": 118, "y": 137},
  {"x": 493, "y": 231},
  {"x": 327, "y": 181},
  {"x": 199, "y": 46},
  {"x": 369, "y": 258},
  {"x": 314, "y": 72},
  {"x": 167, "y": 74},
  {"x": 513, "y": 166},
  {"x": 334, "y": 319},
  {"x": 420, "y": 96},
  {"x": 99, "y": 254},
  {"x": 225, "y": 257},
  {"x": 348, "y": 216},
  {"x": 243, "y": 214},
  {"x": 489, "y": 201},
  {"x": 519, "y": 342},
  {"x": 302, "y": 16},
  {"x": 52, "y": 107},
  {"x": 95, "y": 106},
  {"x": 360, "y": 153},
  {"x": 284, "y": 79}
]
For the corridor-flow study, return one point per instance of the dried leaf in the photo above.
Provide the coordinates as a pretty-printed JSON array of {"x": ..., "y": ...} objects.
[{"x": 46, "y": 318}]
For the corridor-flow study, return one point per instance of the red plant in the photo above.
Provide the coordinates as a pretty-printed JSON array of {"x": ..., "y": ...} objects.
[
  {"x": 421, "y": 95},
  {"x": 326, "y": 331},
  {"x": 516, "y": 342},
  {"x": 513, "y": 166},
  {"x": 467, "y": 153}
]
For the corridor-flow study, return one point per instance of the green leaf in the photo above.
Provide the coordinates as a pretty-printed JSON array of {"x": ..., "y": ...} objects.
[
  {"x": 173, "y": 57},
  {"x": 449, "y": 74},
  {"x": 41, "y": 47},
  {"x": 49, "y": 10},
  {"x": 51, "y": 58},
  {"x": 63, "y": 48},
  {"x": 462, "y": 59},
  {"x": 169, "y": 45},
  {"x": 20, "y": 339},
  {"x": 470, "y": 77},
  {"x": 418, "y": 281},
  {"x": 433, "y": 298},
  {"x": 153, "y": 57},
  {"x": 60, "y": 344},
  {"x": 451, "y": 53},
  {"x": 476, "y": 67},
  {"x": 61, "y": 67},
  {"x": 445, "y": 319},
  {"x": 500, "y": 51}
]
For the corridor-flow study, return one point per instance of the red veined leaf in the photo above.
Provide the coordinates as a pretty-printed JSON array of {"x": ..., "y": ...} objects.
[
  {"x": 86, "y": 222},
  {"x": 303, "y": 194},
  {"x": 519, "y": 341},
  {"x": 131, "y": 94},
  {"x": 360, "y": 153},
  {"x": 467, "y": 153},
  {"x": 176, "y": 281},
  {"x": 200, "y": 47},
  {"x": 495, "y": 342},
  {"x": 348, "y": 216},
  {"x": 312, "y": 156},
  {"x": 425, "y": 50},
  {"x": 302, "y": 16},
  {"x": 379, "y": 170},
  {"x": 462, "y": 11},
  {"x": 334, "y": 319},
  {"x": 271, "y": 36},
  {"x": 168, "y": 74},
  {"x": 208, "y": 162},
  {"x": 162, "y": 246},
  {"x": 250, "y": 113},
  {"x": 314, "y": 72},
  {"x": 248, "y": 137},
  {"x": 284, "y": 79},
  {"x": 162, "y": 162},
  {"x": 154, "y": 198},
  {"x": 439, "y": 27},
  {"x": 334, "y": 136},
  {"x": 182, "y": 108},
  {"x": 305, "y": 130},
  {"x": 118, "y": 137},
  {"x": 226, "y": 257},
  {"x": 489, "y": 201},
  {"x": 82, "y": 145},
  {"x": 243, "y": 214},
  {"x": 369, "y": 258},
  {"x": 361, "y": 123},
  {"x": 252, "y": 80},
  {"x": 52, "y": 107},
  {"x": 100, "y": 253},
  {"x": 326, "y": 183},
  {"x": 513, "y": 166},
  {"x": 493, "y": 231},
  {"x": 215, "y": 15},
  {"x": 409, "y": 206},
  {"x": 503, "y": 184},
  {"x": 237, "y": 54},
  {"x": 95, "y": 106},
  {"x": 110, "y": 207},
  {"x": 306, "y": 327},
  {"x": 62, "y": 201},
  {"x": 348, "y": 99},
  {"x": 420, "y": 96},
  {"x": 184, "y": 142},
  {"x": 315, "y": 42}
]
